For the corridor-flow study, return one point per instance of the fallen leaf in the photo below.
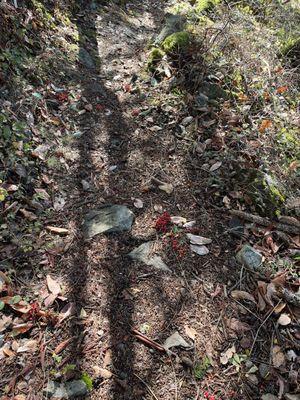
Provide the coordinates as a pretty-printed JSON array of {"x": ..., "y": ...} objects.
[
  {"x": 28, "y": 214},
  {"x": 199, "y": 240},
  {"x": 189, "y": 224},
  {"x": 227, "y": 355},
  {"x": 215, "y": 166},
  {"x": 166, "y": 187},
  {"x": 294, "y": 165},
  {"x": 107, "y": 358},
  {"x": 284, "y": 320},
  {"x": 102, "y": 372},
  {"x": 269, "y": 396},
  {"x": 238, "y": 326},
  {"x": 55, "y": 229},
  {"x": 278, "y": 358},
  {"x": 40, "y": 152},
  {"x": 242, "y": 295},
  {"x": 63, "y": 345},
  {"x": 21, "y": 328},
  {"x": 49, "y": 300},
  {"x": 190, "y": 332},
  {"x": 200, "y": 250},
  {"x": 265, "y": 124},
  {"x": 5, "y": 322},
  {"x": 53, "y": 286},
  {"x": 282, "y": 89},
  {"x": 138, "y": 203},
  {"x": 28, "y": 346},
  {"x": 176, "y": 340},
  {"x": 180, "y": 221}
]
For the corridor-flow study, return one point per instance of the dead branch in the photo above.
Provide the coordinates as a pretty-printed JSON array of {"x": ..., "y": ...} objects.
[
  {"x": 266, "y": 222},
  {"x": 148, "y": 341}
]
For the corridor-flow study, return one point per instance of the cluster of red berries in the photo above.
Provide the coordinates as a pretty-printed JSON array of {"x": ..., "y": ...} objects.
[
  {"x": 209, "y": 396},
  {"x": 63, "y": 96},
  {"x": 163, "y": 223},
  {"x": 178, "y": 248},
  {"x": 34, "y": 311}
]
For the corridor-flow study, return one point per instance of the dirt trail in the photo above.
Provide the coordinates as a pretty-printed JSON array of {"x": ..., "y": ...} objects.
[{"x": 118, "y": 154}]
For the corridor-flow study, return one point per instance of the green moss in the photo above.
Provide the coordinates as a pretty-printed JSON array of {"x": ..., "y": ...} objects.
[
  {"x": 176, "y": 41},
  {"x": 154, "y": 57},
  {"x": 203, "y": 5}
]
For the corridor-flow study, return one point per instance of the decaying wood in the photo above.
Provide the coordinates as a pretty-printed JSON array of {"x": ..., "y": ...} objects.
[
  {"x": 148, "y": 341},
  {"x": 266, "y": 222}
]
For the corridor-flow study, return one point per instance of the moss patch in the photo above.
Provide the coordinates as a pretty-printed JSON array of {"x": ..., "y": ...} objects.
[
  {"x": 176, "y": 41},
  {"x": 154, "y": 57}
]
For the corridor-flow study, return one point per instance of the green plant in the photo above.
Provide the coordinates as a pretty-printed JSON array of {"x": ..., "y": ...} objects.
[
  {"x": 85, "y": 377},
  {"x": 176, "y": 41},
  {"x": 202, "y": 367}
]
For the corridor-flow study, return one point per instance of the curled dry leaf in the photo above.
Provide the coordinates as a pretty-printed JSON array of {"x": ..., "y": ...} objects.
[
  {"x": 242, "y": 295},
  {"x": 138, "y": 203},
  {"x": 180, "y": 221},
  {"x": 227, "y": 355},
  {"x": 53, "y": 286},
  {"x": 190, "y": 332},
  {"x": 28, "y": 214},
  {"x": 238, "y": 326},
  {"x": 102, "y": 372},
  {"x": 284, "y": 320},
  {"x": 278, "y": 357},
  {"x": 166, "y": 187},
  {"x": 63, "y": 345},
  {"x": 21, "y": 328},
  {"x": 56, "y": 229},
  {"x": 215, "y": 166},
  {"x": 199, "y": 240}
]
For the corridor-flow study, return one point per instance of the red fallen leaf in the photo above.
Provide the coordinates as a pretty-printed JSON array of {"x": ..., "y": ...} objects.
[
  {"x": 21, "y": 328},
  {"x": 216, "y": 292},
  {"x": 127, "y": 88},
  {"x": 135, "y": 112},
  {"x": 63, "y": 345},
  {"x": 100, "y": 107},
  {"x": 266, "y": 124},
  {"x": 282, "y": 89},
  {"x": 62, "y": 96}
]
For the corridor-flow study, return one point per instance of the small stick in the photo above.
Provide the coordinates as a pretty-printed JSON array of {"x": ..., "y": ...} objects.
[
  {"x": 147, "y": 386},
  {"x": 265, "y": 222},
  {"x": 148, "y": 341}
]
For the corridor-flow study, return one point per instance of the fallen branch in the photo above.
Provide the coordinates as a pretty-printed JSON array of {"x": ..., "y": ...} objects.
[
  {"x": 265, "y": 222},
  {"x": 148, "y": 341}
]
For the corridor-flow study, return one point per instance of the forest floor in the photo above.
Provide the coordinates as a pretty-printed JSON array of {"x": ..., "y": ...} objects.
[{"x": 105, "y": 131}]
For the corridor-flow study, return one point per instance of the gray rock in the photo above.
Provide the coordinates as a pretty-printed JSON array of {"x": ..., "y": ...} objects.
[
  {"x": 264, "y": 370},
  {"x": 86, "y": 59},
  {"x": 110, "y": 218},
  {"x": 173, "y": 23},
  {"x": 144, "y": 253},
  {"x": 68, "y": 390},
  {"x": 249, "y": 257}
]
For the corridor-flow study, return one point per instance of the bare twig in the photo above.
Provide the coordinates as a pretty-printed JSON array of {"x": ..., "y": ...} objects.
[
  {"x": 147, "y": 386},
  {"x": 148, "y": 341}
]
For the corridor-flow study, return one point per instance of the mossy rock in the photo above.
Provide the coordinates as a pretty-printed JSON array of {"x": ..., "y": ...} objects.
[
  {"x": 154, "y": 58},
  {"x": 266, "y": 193},
  {"x": 176, "y": 41}
]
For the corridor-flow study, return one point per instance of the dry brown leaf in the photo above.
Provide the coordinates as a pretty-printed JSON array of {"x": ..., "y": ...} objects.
[
  {"x": 21, "y": 328},
  {"x": 227, "y": 355},
  {"x": 238, "y": 326},
  {"x": 266, "y": 124},
  {"x": 28, "y": 346},
  {"x": 279, "y": 308},
  {"x": 7, "y": 351},
  {"x": 242, "y": 295},
  {"x": 53, "y": 286},
  {"x": 5, "y": 322},
  {"x": 102, "y": 372},
  {"x": 190, "y": 332},
  {"x": 56, "y": 229},
  {"x": 63, "y": 345},
  {"x": 107, "y": 358},
  {"x": 28, "y": 214},
  {"x": 278, "y": 357},
  {"x": 49, "y": 300}
]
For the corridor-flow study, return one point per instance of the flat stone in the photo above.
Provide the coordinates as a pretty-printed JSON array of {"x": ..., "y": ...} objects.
[
  {"x": 249, "y": 257},
  {"x": 68, "y": 390},
  {"x": 173, "y": 23},
  {"x": 144, "y": 253},
  {"x": 108, "y": 219}
]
